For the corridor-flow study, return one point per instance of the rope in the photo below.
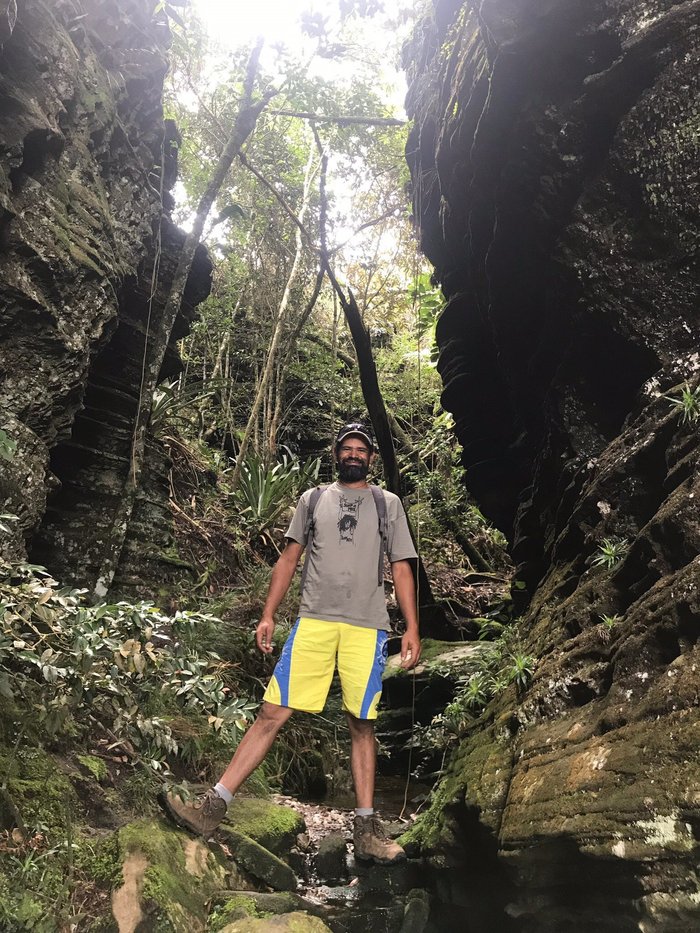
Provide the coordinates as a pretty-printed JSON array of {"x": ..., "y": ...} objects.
[{"x": 416, "y": 313}]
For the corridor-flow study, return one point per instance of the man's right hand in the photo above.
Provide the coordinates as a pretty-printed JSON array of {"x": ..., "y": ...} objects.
[{"x": 264, "y": 633}]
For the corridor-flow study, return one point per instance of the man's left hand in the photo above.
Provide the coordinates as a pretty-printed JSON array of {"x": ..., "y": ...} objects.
[{"x": 410, "y": 650}]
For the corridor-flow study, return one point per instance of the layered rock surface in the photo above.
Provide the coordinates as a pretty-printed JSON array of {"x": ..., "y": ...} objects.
[
  {"x": 554, "y": 161},
  {"x": 87, "y": 163}
]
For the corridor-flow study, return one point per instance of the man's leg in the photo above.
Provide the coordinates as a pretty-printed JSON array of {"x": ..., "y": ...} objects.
[
  {"x": 254, "y": 745},
  {"x": 361, "y": 660},
  {"x": 371, "y": 842},
  {"x": 203, "y": 814},
  {"x": 363, "y": 760}
]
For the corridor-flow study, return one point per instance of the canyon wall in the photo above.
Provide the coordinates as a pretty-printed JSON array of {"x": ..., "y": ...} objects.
[
  {"x": 554, "y": 159},
  {"x": 88, "y": 250}
]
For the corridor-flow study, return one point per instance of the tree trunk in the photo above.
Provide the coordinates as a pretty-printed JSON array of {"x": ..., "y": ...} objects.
[{"x": 244, "y": 125}]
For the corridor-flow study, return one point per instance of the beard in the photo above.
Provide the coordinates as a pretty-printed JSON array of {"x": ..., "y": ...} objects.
[{"x": 352, "y": 472}]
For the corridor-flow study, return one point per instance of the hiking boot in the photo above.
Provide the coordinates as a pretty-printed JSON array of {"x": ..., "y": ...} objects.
[
  {"x": 372, "y": 844},
  {"x": 201, "y": 815}
]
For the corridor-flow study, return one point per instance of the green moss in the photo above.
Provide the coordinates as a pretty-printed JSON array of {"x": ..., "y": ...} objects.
[
  {"x": 96, "y": 766},
  {"x": 235, "y": 908},
  {"x": 273, "y": 826},
  {"x": 102, "y": 861},
  {"x": 179, "y": 897},
  {"x": 40, "y": 791}
]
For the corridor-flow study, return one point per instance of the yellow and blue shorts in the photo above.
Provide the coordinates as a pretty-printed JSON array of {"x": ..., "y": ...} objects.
[{"x": 303, "y": 674}]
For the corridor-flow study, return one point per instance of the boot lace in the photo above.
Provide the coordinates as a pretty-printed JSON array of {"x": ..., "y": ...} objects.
[
  {"x": 377, "y": 828},
  {"x": 207, "y": 803}
]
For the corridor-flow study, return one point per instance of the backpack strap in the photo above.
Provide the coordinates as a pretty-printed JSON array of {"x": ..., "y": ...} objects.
[
  {"x": 309, "y": 531},
  {"x": 380, "y": 504}
]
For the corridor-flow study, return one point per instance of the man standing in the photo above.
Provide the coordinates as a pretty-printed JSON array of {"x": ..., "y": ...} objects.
[{"x": 347, "y": 526}]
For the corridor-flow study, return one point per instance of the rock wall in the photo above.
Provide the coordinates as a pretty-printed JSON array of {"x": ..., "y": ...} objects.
[
  {"x": 87, "y": 162},
  {"x": 554, "y": 162}
]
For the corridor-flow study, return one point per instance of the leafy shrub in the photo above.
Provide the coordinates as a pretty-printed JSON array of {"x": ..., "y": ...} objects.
[{"x": 119, "y": 668}]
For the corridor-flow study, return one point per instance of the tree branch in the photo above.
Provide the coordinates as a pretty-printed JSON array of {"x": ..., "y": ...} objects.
[{"x": 340, "y": 121}]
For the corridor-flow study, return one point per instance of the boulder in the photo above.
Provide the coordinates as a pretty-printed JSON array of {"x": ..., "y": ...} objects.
[
  {"x": 270, "y": 824},
  {"x": 259, "y": 861},
  {"x": 331, "y": 858},
  {"x": 168, "y": 878},
  {"x": 296, "y": 922}
]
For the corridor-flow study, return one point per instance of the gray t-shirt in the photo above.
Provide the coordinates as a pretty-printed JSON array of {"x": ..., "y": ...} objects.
[{"x": 341, "y": 582}]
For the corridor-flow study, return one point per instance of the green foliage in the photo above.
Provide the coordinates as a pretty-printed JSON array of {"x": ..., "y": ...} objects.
[
  {"x": 429, "y": 302},
  {"x": 520, "y": 669},
  {"x": 687, "y": 404},
  {"x": 169, "y": 403},
  {"x": 610, "y": 552},
  {"x": 120, "y": 667},
  {"x": 608, "y": 623},
  {"x": 500, "y": 664},
  {"x": 6, "y": 518},
  {"x": 264, "y": 493},
  {"x": 8, "y": 447}
]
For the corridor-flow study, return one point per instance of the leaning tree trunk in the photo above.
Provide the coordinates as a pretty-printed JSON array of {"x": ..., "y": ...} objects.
[
  {"x": 242, "y": 128},
  {"x": 378, "y": 415},
  {"x": 368, "y": 376}
]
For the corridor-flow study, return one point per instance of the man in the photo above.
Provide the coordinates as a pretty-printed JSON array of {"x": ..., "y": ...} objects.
[{"x": 342, "y": 618}]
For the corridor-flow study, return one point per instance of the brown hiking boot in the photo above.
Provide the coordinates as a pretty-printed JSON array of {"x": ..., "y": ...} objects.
[
  {"x": 201, "y": 815},
  {"x": 371, "y": 842}
]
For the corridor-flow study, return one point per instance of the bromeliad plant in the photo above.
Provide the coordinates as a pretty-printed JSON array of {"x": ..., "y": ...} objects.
[
  {"x": 119, "y": 669},
  {"x": 501, "y": 664},
  {"x": 610, "y": 552},
  {"x": 687, "y": 403},
  {"x": 264, "y": 493}
]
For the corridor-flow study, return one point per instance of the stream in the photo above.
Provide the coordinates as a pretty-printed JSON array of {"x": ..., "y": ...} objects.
[{"x": 356, "y": 895}]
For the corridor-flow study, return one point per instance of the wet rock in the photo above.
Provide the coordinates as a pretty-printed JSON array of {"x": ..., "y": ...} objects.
[
  {"x": 168, "y": 878},
  {"x": 330, "y": 860},
  {"x": 230, "y": 906},
  {"x": 83, "y": 223},
  {"x": 260, "y": 862},
  {"x": 296, "y": 922},
  {"x": 416, "y": 912}
]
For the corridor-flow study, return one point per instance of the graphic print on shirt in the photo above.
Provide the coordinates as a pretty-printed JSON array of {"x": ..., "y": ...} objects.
[{"x": 348, "y": 514}]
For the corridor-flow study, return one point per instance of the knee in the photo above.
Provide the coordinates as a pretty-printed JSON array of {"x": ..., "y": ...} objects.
[
  {"x": 272, "y": 717},
  {"x": 360, "y": 728}
]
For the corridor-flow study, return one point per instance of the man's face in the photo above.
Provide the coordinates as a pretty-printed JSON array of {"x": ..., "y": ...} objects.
[{"x": 353, "y": 457}]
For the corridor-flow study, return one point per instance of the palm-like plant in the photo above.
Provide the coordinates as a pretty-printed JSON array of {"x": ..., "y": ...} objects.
[
  {"x": 610, "y": 552},
  {"x": 264, "y": 493},
  {"x": 687, "y": 404}
]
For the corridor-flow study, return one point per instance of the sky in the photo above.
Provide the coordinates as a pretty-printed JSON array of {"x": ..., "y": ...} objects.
[
  {"x": 235, "y": 23},
  {"x": 232, "y": 24}
]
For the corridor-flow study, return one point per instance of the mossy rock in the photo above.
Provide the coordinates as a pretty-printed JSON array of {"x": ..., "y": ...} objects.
[
  {"x": 96, "y": 766},
  {"x": 40, "y": 792},
  {"x": 168, "y": 878},
  {"x": 451, "y": 657},
  {"x": 271, "y": 825},
  {"x": 259, "y": 861},
  {"x": 236, "y": 905},
  {"x": 296, "y": 922}
]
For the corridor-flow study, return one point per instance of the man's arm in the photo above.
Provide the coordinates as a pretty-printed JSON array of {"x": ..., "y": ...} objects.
[
  {"x": 282, "y": 575},
  {"x": 406, "y": 595}
]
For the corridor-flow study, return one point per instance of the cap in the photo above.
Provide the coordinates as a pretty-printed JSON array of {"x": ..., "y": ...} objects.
[{"x": 356, "y": 427}]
